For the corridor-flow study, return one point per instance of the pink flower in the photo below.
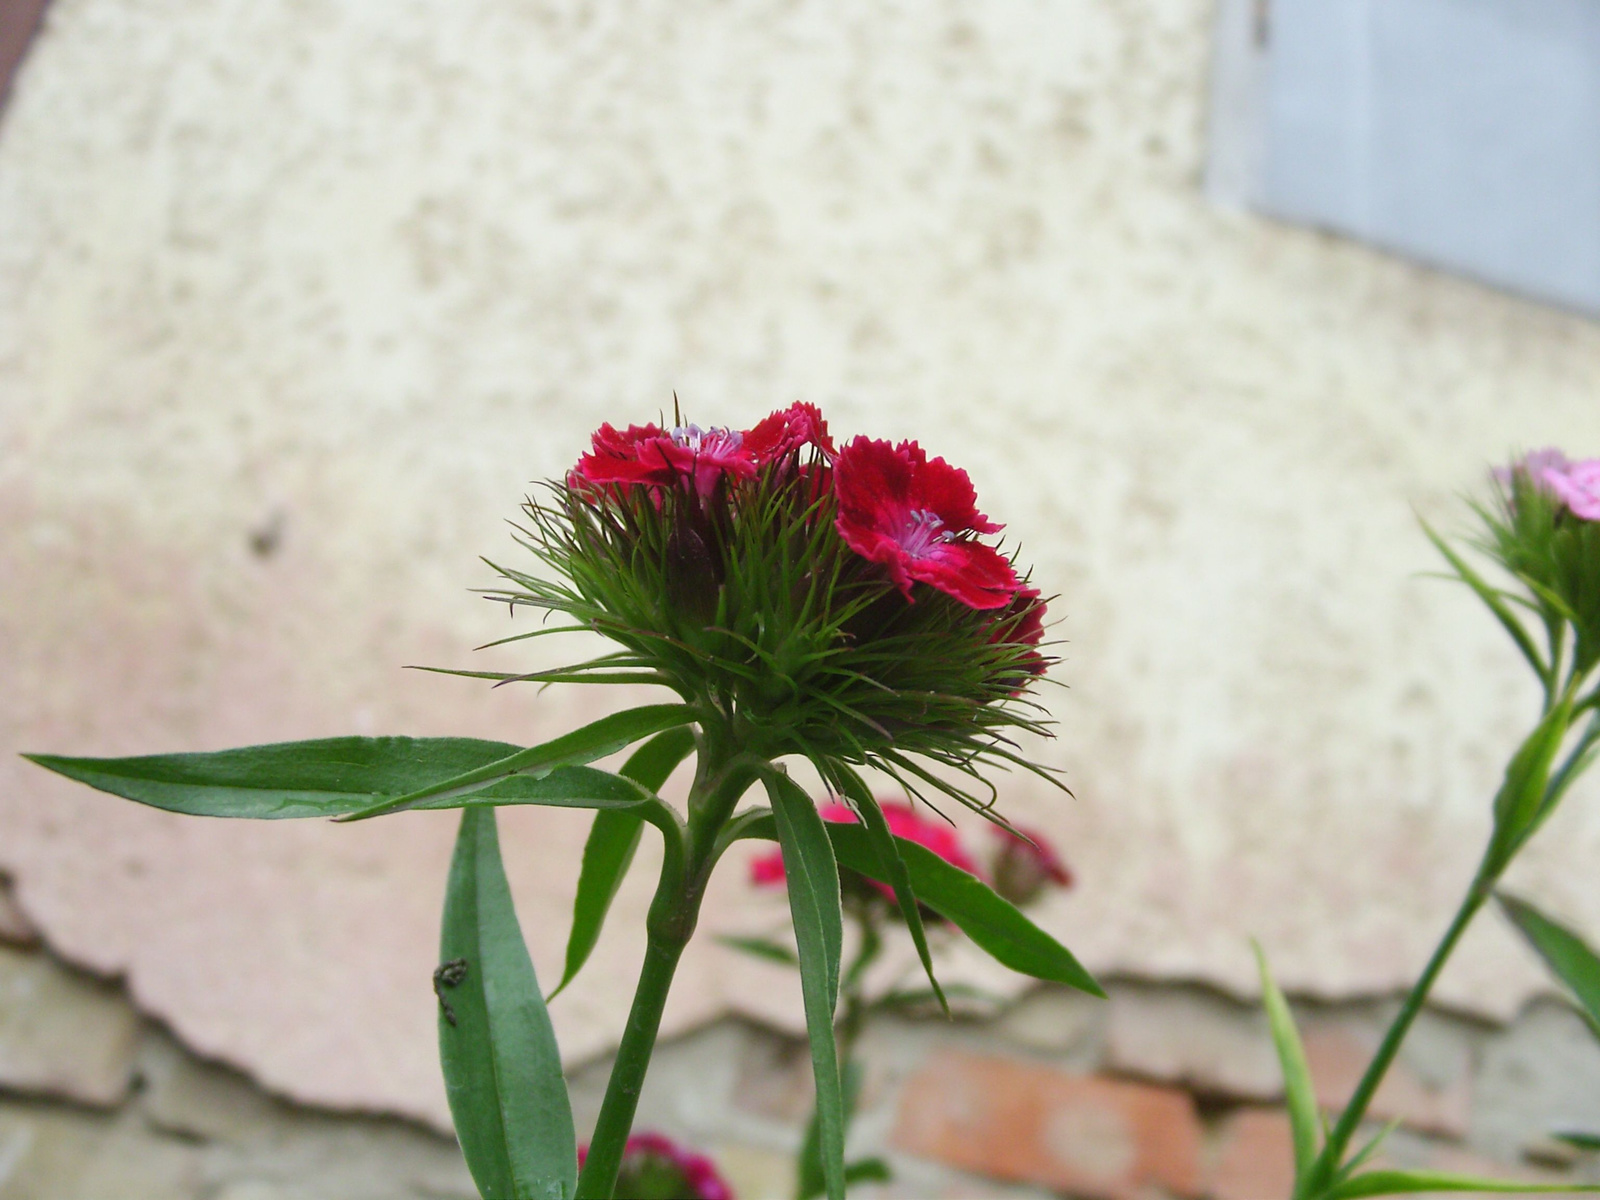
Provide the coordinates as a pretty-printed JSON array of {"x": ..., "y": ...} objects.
[
  {"x": 903, "y": 822},
  {"x": 1577, "y": 486},
  {"x": 650, "y": 455},
  {"x": 654, "y": 1165},
  {"x": 1533, "y": 466},
  {"x": 915, "y": 515},
  {"x": 786, "y": 431},
  {"x": 1024, "y": 865}
]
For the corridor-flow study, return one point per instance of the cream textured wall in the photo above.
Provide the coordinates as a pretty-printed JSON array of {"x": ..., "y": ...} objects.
[{"x": 347, "y": 275}]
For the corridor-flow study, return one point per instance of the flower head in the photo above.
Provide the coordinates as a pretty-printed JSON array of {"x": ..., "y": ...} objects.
[
  {"x": 654, "y": 1167},
  {"x": 1532, "y": 467},
  {"x": 647, "y": 454},
  {"x": 1544, "y": 529},
  {"x": 786, "y": 431},
  {"x": 835, "y": 604},
  {"x": 916, "y": 516}
]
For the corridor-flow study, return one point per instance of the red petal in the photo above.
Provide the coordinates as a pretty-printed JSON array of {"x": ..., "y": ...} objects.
[
  {"x": 947, "y": 492},
  {"x": 977, "y": 575}
]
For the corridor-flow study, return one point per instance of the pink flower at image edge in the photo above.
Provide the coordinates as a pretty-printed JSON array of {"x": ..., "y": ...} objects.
[{"x": 1577, "y": 486}]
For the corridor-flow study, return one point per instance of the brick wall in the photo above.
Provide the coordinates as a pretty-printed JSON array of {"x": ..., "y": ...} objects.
[{"x": 1164, "y": 1091}]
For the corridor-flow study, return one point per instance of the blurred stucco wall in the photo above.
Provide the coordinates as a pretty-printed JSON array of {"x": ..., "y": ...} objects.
[{"x": 297, "y": 298}]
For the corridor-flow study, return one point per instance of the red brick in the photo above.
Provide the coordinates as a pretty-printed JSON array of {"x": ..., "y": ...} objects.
[
  {"x": 1255, "y": 1157},
  {"x": 1016, "y": 1120},
  {"x": 1337, "y": 1060}
]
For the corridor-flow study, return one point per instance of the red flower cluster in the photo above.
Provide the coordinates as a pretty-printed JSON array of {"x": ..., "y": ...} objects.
[
  {"x": 1022, "y": 867},
  {"x": 654, "y": 1165},
  {"x": 915, "y": 516}
]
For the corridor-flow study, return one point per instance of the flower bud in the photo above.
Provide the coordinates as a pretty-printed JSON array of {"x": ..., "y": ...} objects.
[{"x": 1025, "y": 865}]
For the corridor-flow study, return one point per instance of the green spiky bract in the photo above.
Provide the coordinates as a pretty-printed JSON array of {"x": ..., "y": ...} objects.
[{"x": 1555, "y": 555}]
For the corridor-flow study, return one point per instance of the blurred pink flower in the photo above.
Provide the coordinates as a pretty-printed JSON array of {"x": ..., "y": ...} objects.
[
  {"x": 903, "y": 821},
  {"x": 1533, "y": 466},
  {"x": 1578, "y": 486},
  {"x": 654, "y": 1165}
]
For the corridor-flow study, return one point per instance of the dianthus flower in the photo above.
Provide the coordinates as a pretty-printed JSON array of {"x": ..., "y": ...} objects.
[
  {"x": 1577, "y": 485},
  {"x": 648, "y": 454},
  {"x": 1532, "y": 467},
  {"x": 657, "y": 1168},
  {"x": 916, "y": 516},
  {"x": 786, "y": 431}
]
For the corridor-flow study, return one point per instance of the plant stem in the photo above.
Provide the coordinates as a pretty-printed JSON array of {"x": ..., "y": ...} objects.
[
  {"x": 1326, "y": 1167},
  {"x": 611, "y": 1131},
  {"x": 719, "y": 782}
]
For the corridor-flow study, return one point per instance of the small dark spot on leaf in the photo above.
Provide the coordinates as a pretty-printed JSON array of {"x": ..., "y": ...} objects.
[{"x": 448, "y": 974}]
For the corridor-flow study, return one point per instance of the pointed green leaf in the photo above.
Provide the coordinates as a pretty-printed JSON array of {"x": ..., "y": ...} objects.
[
  {"x": 763, "y": 948},
  {"x": 1492, "y": 598},
  {"x": 1578, "y": 1141},
  {"x": 327, "y": 777},
  {"x": 1374, "y": 1144},
  {"x": 612, "y": 841},
  {"x": 1562, "y": 950},
  {"x": 812, "y": 876},
  {"x": 809, "y": 1181},
  {"x": 892, "y": 867},
  {"x": 1399, "y": 1183},
  {"x": 563, "y": 787},
  {"x": 995, "y": 924},
  {"x": 1299, "y": 1094},
  {"x": 595, "y": 740},
  {"x": 502, "y": 1069},
  {"x": 868, "y": 1170},
  {"x": 1520, "y": 800}
]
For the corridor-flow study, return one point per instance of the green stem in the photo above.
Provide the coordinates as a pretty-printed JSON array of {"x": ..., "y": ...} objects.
[
  {"x": 719, "y": 782},
  {"x": 611, "y": 1131},
  {"x": 1324, "y": 1171}
]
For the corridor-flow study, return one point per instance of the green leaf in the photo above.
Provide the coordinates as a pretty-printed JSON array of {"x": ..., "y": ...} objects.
[
  {"x": 1301, "y": 1097},
  {"x": 1578, "y": 1141},
  {"x": 327, "y": 777},
  {"x": 595, "y": 740},
  {"x": 613, "y": 839},
  {"x": 809, "y": 1180},
  {"x": 763, "y": 948},
  {"x": 1563, "y": 951},
  {"x": 892, "y": 868},
  {"x": 992, "y": 922},
  {"x": 502, "y": 1069},
  {"x": 1397, "y": 1183},
  {"x": 564, "y": 787},
  {"x": 814, "y": 905},
  {"x": 1493, "y": 599},
  {"x": 868, "y": 1170},
  {"x": 1519, "y": 804}
]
